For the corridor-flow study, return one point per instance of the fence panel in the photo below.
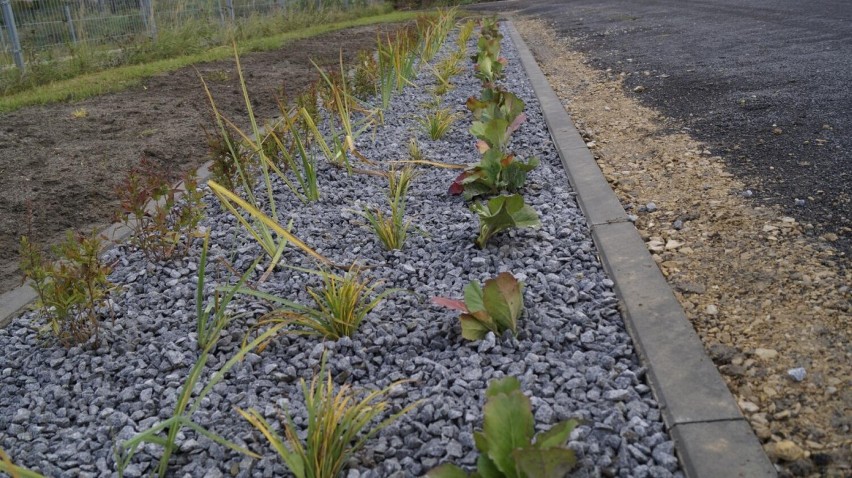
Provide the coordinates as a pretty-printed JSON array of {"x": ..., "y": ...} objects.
[{"x": 53, "y": 28}]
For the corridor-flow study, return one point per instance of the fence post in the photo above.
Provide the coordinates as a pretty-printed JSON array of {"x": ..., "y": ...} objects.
[
  {"x": 9, "y": 19},
  {"x": 230, "y": 5},
  {"x": 70, "y": 21},
  {"x": 147, "y": 9}
]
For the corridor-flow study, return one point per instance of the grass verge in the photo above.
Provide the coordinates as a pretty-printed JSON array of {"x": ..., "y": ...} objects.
[{"x": 118, "y": 79}]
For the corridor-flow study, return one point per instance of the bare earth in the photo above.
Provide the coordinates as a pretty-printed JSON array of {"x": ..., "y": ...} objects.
[
  {"x": 68, "y": 167},
  {"x": 762, "y": 296}
]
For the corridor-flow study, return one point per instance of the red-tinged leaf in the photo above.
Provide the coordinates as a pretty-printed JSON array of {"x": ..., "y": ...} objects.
[
  {"x": 503, "y": 60},
  {"x": 457, "y": 187},
  {"x": 507, "y": 160},
  {"x": 517, "y": 123},
  {"x": 482, "y": 146},
  {"x": 450, "y": 303}
]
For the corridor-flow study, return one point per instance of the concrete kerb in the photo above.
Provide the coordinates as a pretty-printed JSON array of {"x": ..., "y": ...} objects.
[
  {"x": 17, "y": 299},
  {"x": 711, "y": 436}
]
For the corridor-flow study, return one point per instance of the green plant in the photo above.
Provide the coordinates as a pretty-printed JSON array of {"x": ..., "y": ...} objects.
[
  {"x": 495, "y": 307},
  {"x": 494, "y": 173},
  {"x": 297, "y": 155},
  {"x": 160, "y": 223},
  {"x": 183, "y": 412},
  {"x": 502, "y": 212},
  {"x": 13, "y": 470},
  {"x": 508, "y": 445},
  {"x": 488, "y": 64},
  {"x": 392, "y": 230},
  {"x": 438, "y": 122},
  {"x": 228, "y": 160},
  {"x": 339, "y": 424},
  {"x": 465, "y": 32},
  {"x": 365, "y": 79},
  {"x": 414, "y": 151},
  {"x": 71, "y": 288},
  {"x": 340, "y": 305},
  {"x": 214, "y": 317}
]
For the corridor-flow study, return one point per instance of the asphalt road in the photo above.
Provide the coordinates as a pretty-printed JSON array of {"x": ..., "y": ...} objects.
[{"x": 767, "y": 84}]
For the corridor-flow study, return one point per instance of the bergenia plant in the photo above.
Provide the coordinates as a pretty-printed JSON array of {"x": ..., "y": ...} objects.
[
  {"x": 503, "y": 212},
  {"x": 492, "y": 308},
  {"x": 494, "y": 173},
  {"x": 508, "y": 445}
]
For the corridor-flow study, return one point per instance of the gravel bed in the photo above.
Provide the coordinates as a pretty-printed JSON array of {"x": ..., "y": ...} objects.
[{"x": 62, "y": 411}]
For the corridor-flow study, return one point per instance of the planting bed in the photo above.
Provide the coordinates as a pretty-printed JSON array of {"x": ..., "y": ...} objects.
[{"x": 63, "y": 411}]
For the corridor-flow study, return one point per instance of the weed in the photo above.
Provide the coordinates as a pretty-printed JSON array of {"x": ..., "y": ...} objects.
[
  {"x": 71, "y": 288},
  {"x": 493, "y": 308},
  {"x": 79, "y": 113},
  {"x": 149, "y": 207},
  {"x": 438, "y": 122},
  {"x": 508, "y": 445},
  {"x": 338, "y": 426}
]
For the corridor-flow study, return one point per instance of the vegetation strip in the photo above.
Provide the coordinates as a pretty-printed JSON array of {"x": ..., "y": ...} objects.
[
  {"x": 118, "y": 79},
  {"x": 687, "y": 391},
  {"x": 570, "y": 350}
]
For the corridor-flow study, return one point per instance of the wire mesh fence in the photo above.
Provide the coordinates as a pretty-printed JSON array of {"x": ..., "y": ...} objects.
[{"x": 33, "y": 28}]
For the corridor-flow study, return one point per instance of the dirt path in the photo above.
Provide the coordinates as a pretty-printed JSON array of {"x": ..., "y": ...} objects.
[
  {"x": 68, "y": 167},
  {"x": 764, "y": 298}
]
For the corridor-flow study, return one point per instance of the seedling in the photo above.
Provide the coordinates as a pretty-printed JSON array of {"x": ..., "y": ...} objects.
[
  {"x": 508, "y": 445},
  {"x": 500, "y": 213},
  {"x": 495, "y": 307},
  {"x": 338, "y": 426},
  {"x": 79, "y": 113}
]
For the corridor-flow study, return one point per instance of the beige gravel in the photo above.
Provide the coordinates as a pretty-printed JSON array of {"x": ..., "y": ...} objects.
[{"x": 763, "y": 297}]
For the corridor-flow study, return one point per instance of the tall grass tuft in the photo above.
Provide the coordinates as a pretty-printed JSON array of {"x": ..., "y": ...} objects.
[
  {"x": 339, "y": 424},
  {"x": 438, "y": 122},
  {"x": 392, "y": 230}
]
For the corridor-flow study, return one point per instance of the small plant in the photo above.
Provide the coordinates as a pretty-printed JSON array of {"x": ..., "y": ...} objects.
[
  {"x": 13, "y": 470},
  {"x": 465, "y": 32},
  {"x": 494, "y": 173},
  {"x": 392, "y": 230},
  {"x": 365, "y": 78},
  {"x": 414, "y": 151},
  {"x": 79, "y": 113},
  {"x": 212, "y": 319},
  {"x": 495, "y": 307},
  {"x": 71, "y": 288},
  {"x": 338, "y": 426},
  {"x": 508, "y": 445},
  {"x": 227, "y": 157},
  {"x": 502, "y": 212},
  {"x": 150, "y": 208},
  {"x": 340, "y": 305},
  {"x": 186, "y": 408},
  {"x": 437, "y": 123}
]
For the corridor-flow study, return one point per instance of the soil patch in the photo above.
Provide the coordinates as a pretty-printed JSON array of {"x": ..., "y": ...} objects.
[
  {"x": 67, "y": 167},
  {"x": 764, "y": 298}
]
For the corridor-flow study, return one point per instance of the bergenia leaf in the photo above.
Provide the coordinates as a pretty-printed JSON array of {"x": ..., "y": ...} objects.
[
  {"x": 508, "y": 424},
  {"x": 450, "y": 303},
  {"x": 557, "y": 436},
  {"x": 473, "y": 297},
  {"x": 447, "y": 470},
  {"x": 545, "y": 463},
  {"x": 503, "y": 300},
  {"x": 516, "y": 123},
  {"x": 503, "y": 385},
  {"x": 473, "y": 328}
]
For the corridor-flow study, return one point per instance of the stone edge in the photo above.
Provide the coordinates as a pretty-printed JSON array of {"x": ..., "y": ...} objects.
[
  {"x": 17, "y": 299},
  {"x": 711, "y": 436}
]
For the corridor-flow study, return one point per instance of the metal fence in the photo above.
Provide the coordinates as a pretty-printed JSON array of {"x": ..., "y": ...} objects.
[{"x": 29, "y": 28}]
